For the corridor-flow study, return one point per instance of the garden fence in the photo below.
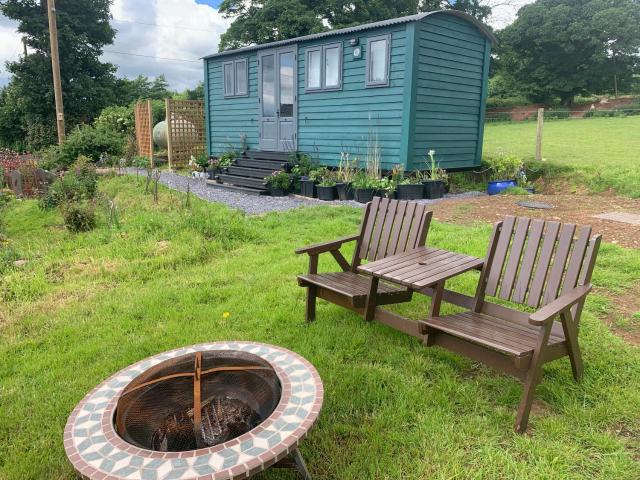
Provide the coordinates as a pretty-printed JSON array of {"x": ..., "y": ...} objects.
[
  {"x": 144, "y": 129},
  {"x": 185, "y": 131},
  {"x": 528, "y": 114}
]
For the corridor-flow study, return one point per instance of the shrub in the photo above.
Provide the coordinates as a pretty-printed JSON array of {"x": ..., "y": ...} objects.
[
  {"x": 515, "y": 191},
  {"x": 85, "y": 140},
  {"x": 79, "y": 183},
  {"x": 279, "y": 180},
  {"x": 79, "y": 216},
  {"x": 558, "y": 114},
  {"x": 6, "y": 196},
  {"x": 116, "y": 119},
  {"x": 503, "y": 166}
]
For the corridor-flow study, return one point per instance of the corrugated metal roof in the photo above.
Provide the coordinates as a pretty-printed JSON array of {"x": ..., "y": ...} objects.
[{"x": 368, "y": 26}]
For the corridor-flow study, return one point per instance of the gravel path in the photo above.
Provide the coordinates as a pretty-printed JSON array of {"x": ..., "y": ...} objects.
[{"x": 256, "y": 205}]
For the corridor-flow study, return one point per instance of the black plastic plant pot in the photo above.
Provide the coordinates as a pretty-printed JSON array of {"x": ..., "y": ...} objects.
[
  {"x": 327, "y": 194},
  {"x": 345, "y": 191},
  {"x": 308, "y": 188},
  {"x": 410, "y": 192},
  {"x": 213, "y": 172},
  {"x": 277, "y": 192},
  {"x": 433, "y": 189},
  {"x": 363, "y": 195}
]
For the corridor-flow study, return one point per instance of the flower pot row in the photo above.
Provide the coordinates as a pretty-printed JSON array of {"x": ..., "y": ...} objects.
[{"x": 431, "y": 189}]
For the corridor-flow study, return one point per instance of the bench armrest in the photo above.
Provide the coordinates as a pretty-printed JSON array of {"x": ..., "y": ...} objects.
[
  {"x": 317, "y": 248},
  {"x": 559, "y": 305}
]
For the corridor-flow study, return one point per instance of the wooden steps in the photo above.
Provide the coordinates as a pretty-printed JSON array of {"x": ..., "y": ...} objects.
[{"x": 248, "y": 172}]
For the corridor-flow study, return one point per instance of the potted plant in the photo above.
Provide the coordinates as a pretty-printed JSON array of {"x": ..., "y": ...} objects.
[
  {"x": 434, "y": 184},
  {"x": 347, "y": 169},
  {"x": 201, "y": 162},
  {"x": 504, "y": 170},
  {"x": 410, "y": 188},
  {"x": 384, "y": 187},
  {"x": 214, "y": 167},
  {"x": 302, "y": 167},
  {"x": 327, "y": 189},
  {"x": 278, "y": 183},
  {"x": 364, "y": 187}
]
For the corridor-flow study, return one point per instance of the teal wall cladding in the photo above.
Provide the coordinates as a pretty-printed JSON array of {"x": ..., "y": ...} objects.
[
  {"x": 350, "y": 119},
  {"x": 229, "y": 118},
  {"x": 434, "y": 99},
  {"x": 450, "y": 72}
]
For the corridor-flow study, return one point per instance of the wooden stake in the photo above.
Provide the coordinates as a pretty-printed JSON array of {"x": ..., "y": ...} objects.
[
  {"x": 55, "y": 66},
  {"x": 539, "y": 134}
]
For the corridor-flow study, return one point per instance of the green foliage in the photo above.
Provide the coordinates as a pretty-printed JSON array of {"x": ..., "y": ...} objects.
[
  {"x": 79, "y": 216},
  {"x": 279, "y": 180},
  {"x": 116, "y": 119},
  {"x": 6, "y": 197},
  {"x": 85, "y": 140},
  {"x": 517, "y": 191},
  {"x": 263, "y": 21},
  {"x": 362, "y": 181},
  {"x": 88, "y": 84},
  {"x": 301, "y": 164},
  {"x": 80, "y": 183},
  {"x": 503, "y": 166},
  {"x": 227, "y": 158},
  {"x": 562, "y": 48},
  {"x": 557, "y": 114}
]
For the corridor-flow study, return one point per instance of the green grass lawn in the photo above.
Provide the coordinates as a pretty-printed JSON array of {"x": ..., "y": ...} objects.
[
  {"x": 90, "y": 304},
  {"x": 603, "y": 152}
]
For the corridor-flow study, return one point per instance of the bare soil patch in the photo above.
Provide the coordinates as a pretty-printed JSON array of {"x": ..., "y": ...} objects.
[
  {"x": 623, "y": 320},
  {"x": 575, "y": 208}
]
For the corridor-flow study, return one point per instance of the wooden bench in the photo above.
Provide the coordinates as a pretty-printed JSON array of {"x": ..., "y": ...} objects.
[
  {"x": 388, "y": 227},
  {"x": 544, "y": 265}
]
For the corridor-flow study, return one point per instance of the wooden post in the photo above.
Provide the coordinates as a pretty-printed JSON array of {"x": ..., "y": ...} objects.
[
  {"x": 168, "y": 114},
  {"x": 539, "y": 134},
  {"x": 55, "y": 66},
  {"x": 150, "y": 113}
]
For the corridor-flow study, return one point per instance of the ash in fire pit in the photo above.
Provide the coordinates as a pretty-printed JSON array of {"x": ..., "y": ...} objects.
[
  {"x": 163, "y": 410},
  {"x": 222, "y": 419}
]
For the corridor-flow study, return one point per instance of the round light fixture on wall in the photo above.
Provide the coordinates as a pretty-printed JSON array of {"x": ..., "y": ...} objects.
[{"x": 357, "y": 52}]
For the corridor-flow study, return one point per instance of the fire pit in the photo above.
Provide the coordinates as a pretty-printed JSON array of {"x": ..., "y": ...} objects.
[{"x": 215, "y": 411}]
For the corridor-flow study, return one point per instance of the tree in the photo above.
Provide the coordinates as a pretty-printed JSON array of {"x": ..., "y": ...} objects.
[
  {"x": 88, "y": 84},
  {"x": 562, "y": 48},
  {"x": 263, "y": 21}
]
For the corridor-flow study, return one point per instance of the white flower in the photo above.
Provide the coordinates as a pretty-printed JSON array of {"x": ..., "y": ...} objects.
[{"x": 432, "y": 152}]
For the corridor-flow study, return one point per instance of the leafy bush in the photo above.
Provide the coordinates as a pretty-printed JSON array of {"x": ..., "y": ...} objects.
[
  {"x": 515, "y": 191},
  {"x": 85, "y": 140},
  {"x": 79, "y": 183},
  {"x": 6, "y": 196},
  {"x": 79, "y": 216},
  {"x": 116, "y": 119},
  {"x": 503, "y": 166},
  {"x": 278, "y": 180}
]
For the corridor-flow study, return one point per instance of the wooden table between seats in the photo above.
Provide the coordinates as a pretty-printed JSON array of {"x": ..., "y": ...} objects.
[{"x": 422, "y": 270}]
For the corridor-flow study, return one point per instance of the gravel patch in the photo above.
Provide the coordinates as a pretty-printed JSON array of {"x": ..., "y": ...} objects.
[{"x": 257, "y": 205}]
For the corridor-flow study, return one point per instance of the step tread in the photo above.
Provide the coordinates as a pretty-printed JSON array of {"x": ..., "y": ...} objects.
[
  {"x": 243, "y": 181},
  {"x": 248, "y": 172}
]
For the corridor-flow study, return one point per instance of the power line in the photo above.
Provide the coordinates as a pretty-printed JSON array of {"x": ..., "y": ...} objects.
[{"x": 151, "y": 56}]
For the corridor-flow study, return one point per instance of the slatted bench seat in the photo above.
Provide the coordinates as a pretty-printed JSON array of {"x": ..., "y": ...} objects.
[{"x": 388, "y": 227}]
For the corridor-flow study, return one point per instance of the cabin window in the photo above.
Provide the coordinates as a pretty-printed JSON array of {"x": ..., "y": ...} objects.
[
  {"x": 378, "y": 60},
  {"x": 236, "y": 82},
  {"x": 324, "y": 67}
]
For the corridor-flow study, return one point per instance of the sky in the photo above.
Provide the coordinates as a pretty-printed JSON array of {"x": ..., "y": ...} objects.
[{"x": 169, "y": 36}]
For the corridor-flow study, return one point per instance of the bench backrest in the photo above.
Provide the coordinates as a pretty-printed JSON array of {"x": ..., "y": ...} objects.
[
  {"x": 390, "y": 227},
  {"x": 533, "y": 262}
]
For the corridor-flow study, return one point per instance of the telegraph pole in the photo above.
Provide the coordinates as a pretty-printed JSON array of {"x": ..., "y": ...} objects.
[{"x": 55, "y": 64}]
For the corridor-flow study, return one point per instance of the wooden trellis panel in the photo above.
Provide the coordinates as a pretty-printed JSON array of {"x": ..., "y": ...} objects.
[
  {"x": 144, "y": 129},
  {"x": 185, "y": 134}
]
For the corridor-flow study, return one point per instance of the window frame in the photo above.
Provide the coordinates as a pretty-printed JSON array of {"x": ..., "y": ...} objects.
[
  {"x": 233, "y": 64},
  {"x": 387, "y": 80},
  {"x": 323, "y": 63}
]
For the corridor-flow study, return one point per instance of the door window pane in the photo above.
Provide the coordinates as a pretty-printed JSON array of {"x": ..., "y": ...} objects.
[
  {"x": 332, "y": 67},
  {"x": 268, "y": 86},
  {"x": 241, "y": 77},
  {"x": 228, "y": 79},
  {"x": 286, "y": 85},
  {"x": 378, "y": 54},
  {"x": 314, "y": 69}
]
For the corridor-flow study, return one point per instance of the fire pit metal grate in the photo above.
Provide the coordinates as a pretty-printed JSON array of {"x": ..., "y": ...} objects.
[{"x": 268, "y": 421}]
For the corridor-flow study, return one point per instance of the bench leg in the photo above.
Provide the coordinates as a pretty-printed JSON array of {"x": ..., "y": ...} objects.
[
  {"x": 531, "y": 380},
  {"x": 370, "y": 308},
  {"x": 310, "y": 312},
  {"x": 571, "y": 339}
]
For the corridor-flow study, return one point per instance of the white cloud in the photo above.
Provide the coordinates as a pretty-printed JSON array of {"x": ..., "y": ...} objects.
[
  {"x": 503, "y": 12},
  {"x": 10, "y": 46}
]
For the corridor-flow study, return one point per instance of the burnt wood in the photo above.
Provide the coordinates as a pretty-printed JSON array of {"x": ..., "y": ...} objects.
[
  {"x": 388, "y": 227},
  {"x": 544, "y": 265}
]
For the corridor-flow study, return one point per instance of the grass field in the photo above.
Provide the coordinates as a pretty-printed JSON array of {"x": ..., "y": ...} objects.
[
  {"x": 602, "y": 153},
  {"x": 87, "y": 305}
]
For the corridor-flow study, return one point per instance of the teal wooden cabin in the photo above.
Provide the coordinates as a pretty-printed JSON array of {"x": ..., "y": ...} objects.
[{"x": 410, "y": 84}]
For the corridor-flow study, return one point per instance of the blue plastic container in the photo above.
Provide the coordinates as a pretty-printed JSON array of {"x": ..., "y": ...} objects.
[{"x": 496, "y": 186}]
